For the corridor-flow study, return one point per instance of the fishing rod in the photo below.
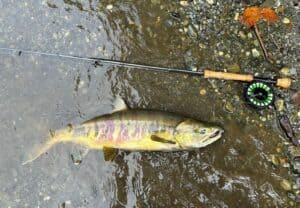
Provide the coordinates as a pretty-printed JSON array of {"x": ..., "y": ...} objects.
[{"x": 258, "y": 92}]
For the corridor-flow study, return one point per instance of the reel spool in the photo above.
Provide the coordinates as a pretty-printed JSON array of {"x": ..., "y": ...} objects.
[{"x": 259, "y": 95}]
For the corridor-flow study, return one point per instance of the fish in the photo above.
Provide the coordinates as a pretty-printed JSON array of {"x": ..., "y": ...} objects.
[{"x": 134, "y": 130}]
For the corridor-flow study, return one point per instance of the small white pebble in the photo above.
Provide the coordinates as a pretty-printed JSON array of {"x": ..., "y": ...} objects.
[
  {"x": 250, "y": 35},
  {"x": 202, "y": 92},
  {"x": 286, "y": 20},
  {"x": 242, "y": 35},
  {"x": 255, "y": 52},
  {"x": 236, "y": 16},
  {"x": 109, "y": 7},
  {"x": 46, "y": 198},
  {"x": 184, "y": 3},
  {"x": 210, "y": 1},
  {"x": 194, "y": 68},
  {"x": 221, "y": 53}
]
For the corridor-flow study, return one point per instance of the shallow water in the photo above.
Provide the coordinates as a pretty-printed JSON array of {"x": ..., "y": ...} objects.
[{"x": 40, "y": 94}]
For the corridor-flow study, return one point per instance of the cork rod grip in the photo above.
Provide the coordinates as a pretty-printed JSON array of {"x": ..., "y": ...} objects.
[
  {"x": 228, "y": 76},
  {"x": 284, "y": 82}
]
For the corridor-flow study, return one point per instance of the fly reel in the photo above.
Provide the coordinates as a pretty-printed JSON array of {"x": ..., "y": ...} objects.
[{"x": 259, "y": 95}]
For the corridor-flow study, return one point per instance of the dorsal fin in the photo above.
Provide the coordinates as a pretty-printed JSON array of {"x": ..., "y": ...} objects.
[{"x": 119, "y": 105}]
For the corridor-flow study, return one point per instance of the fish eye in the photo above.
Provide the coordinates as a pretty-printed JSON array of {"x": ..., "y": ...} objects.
[{"x": 202, "y": 131}]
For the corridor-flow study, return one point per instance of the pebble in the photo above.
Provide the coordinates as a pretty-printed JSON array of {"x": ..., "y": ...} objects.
[
  {"x": 201, "y": 45},
  {"x": 285, "y": 71},
  {"x": 191, "y": 31},
  {"x": 279, "y": 104},
  {"x": 185, "y": 22},
  {"x": 221, "y": 53},
  {"x": 236, "y": 16},
  {"x": 263, "y": 119},
  {"x": 274, "y": 160},
  {"x": 184, "y": 3},
  {"x": 109, "y": 7},
  {"x": 242, "y": 35},
  {"x": 66, "y": 204},
  {"x": 286, "y": 20},
  {"x": 256, "y": 43},
  {"x": 286, "y": 185},
  {"x": 250, "y": 35},
  {"x": 46, "y": 198},
  {"x": 194, "y": 69},
  {"x": 235, "y": 68},
  {"x": 155, "y": 1},
  {"x": 229, "y": 107},
  {"x": 210, "y": 1},
  {"x": 255, "y": 52},
  {"x": 202, "y": 92}
]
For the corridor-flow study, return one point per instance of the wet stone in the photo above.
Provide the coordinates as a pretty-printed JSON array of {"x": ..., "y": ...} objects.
[
  {"x": 229, "y": 107},
  {"x": 66, "y": 204},
  {"x": 235, "y": 68},
  {"x": 191, "y": 31},
  {"x": 285, "y": 71},
  {"x": 109, "y": 7},
  {"x": 256, "y": 43},
  {"x": 274, "y": 160},
  {"x": 286, "y": 185},
  {"x": 255, "y": 53},
  {"x": 202, "y": 92},
  {"x": 242, "y": 35},
  {"x": 279, "y": 104},
  {"x": 236, "y": 16},
  {"x": 185, "y": 22},
  {"x": 184, "y": 3},
  {"x": 286, "y": 20}
]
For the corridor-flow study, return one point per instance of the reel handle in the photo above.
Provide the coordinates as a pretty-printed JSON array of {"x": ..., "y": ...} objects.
[
  {"x": 228, "y": 76},
  {"x": 281, "y": 82}
]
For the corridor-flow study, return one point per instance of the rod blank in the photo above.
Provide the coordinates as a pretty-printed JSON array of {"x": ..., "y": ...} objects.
[{"x": 281, "y": 82}]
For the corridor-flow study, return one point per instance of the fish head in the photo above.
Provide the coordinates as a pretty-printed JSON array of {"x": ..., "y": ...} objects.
[{"x": 191, "y": 134}]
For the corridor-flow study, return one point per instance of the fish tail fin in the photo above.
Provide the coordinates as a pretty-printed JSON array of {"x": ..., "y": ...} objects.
[{"x": 38, "y": 150}]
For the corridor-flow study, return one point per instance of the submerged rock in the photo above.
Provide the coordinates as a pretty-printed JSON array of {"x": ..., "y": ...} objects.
[{"x": 66, "y": 204}]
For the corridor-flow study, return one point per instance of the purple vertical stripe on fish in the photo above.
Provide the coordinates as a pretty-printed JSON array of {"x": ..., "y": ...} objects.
[
  {"x": 136, "y": 131},
  {"x": 123, "y": 134},
  {"x": 109, "y": 129}
]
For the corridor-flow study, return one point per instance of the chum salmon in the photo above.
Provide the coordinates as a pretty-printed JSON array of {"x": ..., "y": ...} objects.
[{"x": 135, "y": 130}]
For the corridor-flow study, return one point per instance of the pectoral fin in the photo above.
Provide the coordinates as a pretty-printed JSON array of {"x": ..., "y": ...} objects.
[
  {"x": 163, "y": 137},
  {"x": 161, "y": 140},
  {"x": 109, "y": 153}
]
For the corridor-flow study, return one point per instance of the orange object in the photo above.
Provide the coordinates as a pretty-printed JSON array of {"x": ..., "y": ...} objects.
[{"x": 254, "y": 14}]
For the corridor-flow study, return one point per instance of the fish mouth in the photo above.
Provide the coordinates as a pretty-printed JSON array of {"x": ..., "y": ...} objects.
[{"x": 217, "y": 133}]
